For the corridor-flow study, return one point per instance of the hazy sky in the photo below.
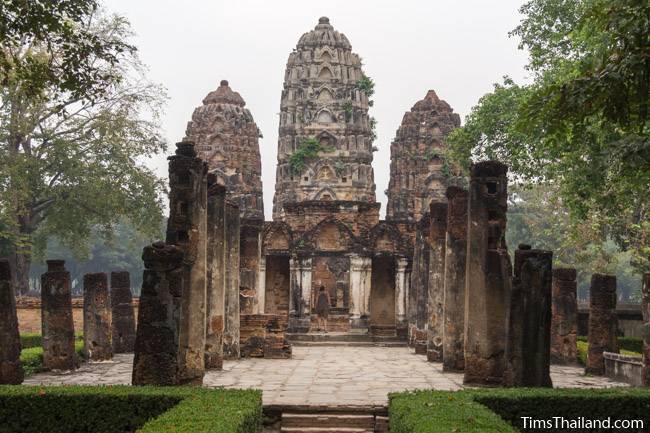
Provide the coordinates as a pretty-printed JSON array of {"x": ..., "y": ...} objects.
[{"x": 457, "y": 48}]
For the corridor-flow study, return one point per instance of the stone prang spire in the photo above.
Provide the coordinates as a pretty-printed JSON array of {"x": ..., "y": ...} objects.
[
  {"x": 226, "y": 136},
  {"x": 322, "y": 101},
  {"x": 418, "y": 173}
]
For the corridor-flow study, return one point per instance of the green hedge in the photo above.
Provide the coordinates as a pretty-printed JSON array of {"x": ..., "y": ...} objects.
[
  {"x": 627, "y": 346},
  {"x": 500, "y": 410},
  {"x": 32, "y": 358},
  {"x": 118, "y": 409},
  {"x": 28, "y": 340}
]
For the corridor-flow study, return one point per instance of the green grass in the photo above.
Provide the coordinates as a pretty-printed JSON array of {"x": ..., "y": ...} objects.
[
  {"x": 32, "y": 357},
  {"x": 626, "y": 345},
  {"x": 501, "y": 410},
  {"x": 118, "y": 409}
]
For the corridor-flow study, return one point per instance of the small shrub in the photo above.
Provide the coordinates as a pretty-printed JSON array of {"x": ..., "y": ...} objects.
[{"x": 32, "y": 357}]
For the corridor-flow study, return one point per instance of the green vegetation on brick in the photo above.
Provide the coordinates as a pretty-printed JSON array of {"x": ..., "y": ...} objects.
[
  {"x": 117, "y": 409},
  {"x": 32, "y": 357},
  {"x": 501, "y": 410}
]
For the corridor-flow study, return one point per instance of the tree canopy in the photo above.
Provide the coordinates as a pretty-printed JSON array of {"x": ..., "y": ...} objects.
[
  {"x": 582, "y": 124},
  {"x": 77, "y": 118}
]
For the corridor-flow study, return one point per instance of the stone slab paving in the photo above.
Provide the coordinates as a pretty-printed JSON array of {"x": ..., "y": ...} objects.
[{"x": 319, "y": 375}]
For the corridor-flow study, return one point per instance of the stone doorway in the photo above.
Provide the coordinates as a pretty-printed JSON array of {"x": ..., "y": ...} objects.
[
  {"x": 382, "y": 296},
  {"x": 333, "y": 272},
  {"x": 277, "y": 285}
]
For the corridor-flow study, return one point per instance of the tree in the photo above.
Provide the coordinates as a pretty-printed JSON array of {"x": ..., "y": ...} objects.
[
  {"x": 583, "y": 122},
  {"x": 77, "y": 116}
]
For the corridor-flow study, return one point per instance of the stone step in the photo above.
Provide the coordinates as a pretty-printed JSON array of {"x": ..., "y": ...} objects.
[
  {"x": 350, "y": 343},
  {"x": 381, "y": 424},
  {"x": 349, "y": 337},
  {"x": 330, "y": 420}
]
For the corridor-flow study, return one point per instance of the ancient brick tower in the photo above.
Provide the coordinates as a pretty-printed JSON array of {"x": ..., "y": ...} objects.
[
  {"x": 226, "y": 136},
  {"x": 418, "y": 173},
  {"x": 321, "y": 100}
]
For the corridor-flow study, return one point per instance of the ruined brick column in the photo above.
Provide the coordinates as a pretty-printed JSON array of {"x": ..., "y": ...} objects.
[
  {"x": 216, "y": 275},
  {"x": 603, "y": 323},
  {"x": 156, "y": 360},
  {"x": 564, "y": 321},
  {"x": 231, "y": 324},
  {"x": 249, "y": 264},
  {"x": 488, "y": 276},
  {"x": 11, "y": 371},
  {"x": 187, "y": 229},
  {"x": 123, "y": 329},
  {"x": 645, "y": 309},
  {"x": 418, "y": 296},
  {"x": 56, "y": 318},
  {"x": 529, "y": 333},
  {"x": 97, "y": 318},
  {"x": 453, "y": 342},
  {"x": 436, "y": 289}
]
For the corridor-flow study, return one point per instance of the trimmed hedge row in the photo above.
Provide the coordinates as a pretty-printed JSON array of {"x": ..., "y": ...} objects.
[
  {"x": 118, "y": 409},
  {"x": 501, "y": 410}
]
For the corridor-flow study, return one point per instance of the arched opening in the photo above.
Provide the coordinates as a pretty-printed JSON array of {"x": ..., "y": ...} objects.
[
  {"x": 325, "y": 74},
  {"x": 382, "y": 296},
  {"x": 325, "y": 117}
]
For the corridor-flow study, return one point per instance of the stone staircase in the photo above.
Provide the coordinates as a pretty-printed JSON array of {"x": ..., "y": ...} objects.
[
  {"x": 352, "y": 338},
  {"x": 337, "y": 419}
]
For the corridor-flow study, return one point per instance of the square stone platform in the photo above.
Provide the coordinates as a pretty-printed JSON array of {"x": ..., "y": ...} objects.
[{"x": 319, "y": 375}]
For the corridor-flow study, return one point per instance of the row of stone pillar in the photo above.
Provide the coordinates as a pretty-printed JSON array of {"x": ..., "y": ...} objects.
[
  {"x": 108, "y": 319},
  {"x": 190, "y": 300}
]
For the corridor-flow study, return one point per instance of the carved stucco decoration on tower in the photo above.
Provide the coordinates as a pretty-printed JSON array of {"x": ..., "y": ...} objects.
[
  {"x": 418, "y": 173},
  {"x": 321, "y": 100},
  {"x": 226, "y": 136}
]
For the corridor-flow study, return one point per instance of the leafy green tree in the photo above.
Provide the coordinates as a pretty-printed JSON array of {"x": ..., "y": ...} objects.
[
  {"x": 583, "y": 122},
  {"x": 77, "y": 116}
]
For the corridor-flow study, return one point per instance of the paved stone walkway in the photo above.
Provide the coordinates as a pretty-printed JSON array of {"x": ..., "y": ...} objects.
[{"x": 319, "y": 375}]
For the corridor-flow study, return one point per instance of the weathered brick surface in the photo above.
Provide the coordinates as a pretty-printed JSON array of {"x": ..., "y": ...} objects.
[
  {"x": 97, "y": 318},
  {"x": 216, "y": 275},
  {"x": 11, "y": 371},
  {"x": 264, "y": 336},
  {"x": 56, "y": 318},
  {"x": 436, "y": 283},
  {"x": 489, "y": 275},
  {"x": 603, "y": 324},
  {"x": 156, "y": 360},
  {"x": 123, "y": 321},
  {"x": 453, "y": 354},
  {"x": 419, "y": 290},
  {"x": 187, "y": 229},
  {"x": 529, "y": 332},
  {"x": 231, "y": 300},
  {"x": 564, "y": 322},
  {"x": 321, "y": 100},
  {"x": 417, "y": 176}
]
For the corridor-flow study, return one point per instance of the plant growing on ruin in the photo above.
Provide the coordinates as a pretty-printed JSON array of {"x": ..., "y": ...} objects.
[
  {"x": 367, "y": 86},
  {"x": 309, "y": 148},
  {"x": 347, "y": 108},
  {"x": 373, "y": 129},
  {"x": 339, "y": 166}
]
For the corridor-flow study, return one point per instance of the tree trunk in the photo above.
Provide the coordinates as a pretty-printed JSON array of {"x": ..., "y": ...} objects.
[{"x": 21, "y": 261}]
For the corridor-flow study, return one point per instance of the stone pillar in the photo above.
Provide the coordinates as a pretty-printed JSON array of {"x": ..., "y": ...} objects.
[
  {"x": 418, "y": 297},
  {"x": 305, "y": 286},
  {"x": 261, "y": 285},
  {"x": 231, "y": 296},
  {"x": 97, "y": 318},
  {"x": 435, "y": 286},
  {"x": 400, "y": 297},
  {"x": 56, "y": 318},
  {"x": 529, "y": 332},
  {"x": 564, "y": 321},
  {"x": 123, "y": 328},
  {"x": 216, "y": 276},
  {"x": 488, "y": 275},
  {"x": 187, "y": 229},
  {"x": 453, "y": 342},
  {"x": 366, "y": 280},
  {"x": 645, "y": 309},
  {"x": 11, "y": 371},
  {"x": 356, "y": 296},
  {"x": 603, "y": 323},
  {"x": 156, "y": 359},
  {"x": 249, "y": 265}
]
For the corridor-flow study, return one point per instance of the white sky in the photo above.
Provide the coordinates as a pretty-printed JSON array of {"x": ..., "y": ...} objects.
[{"x": 457, "y": 48}]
